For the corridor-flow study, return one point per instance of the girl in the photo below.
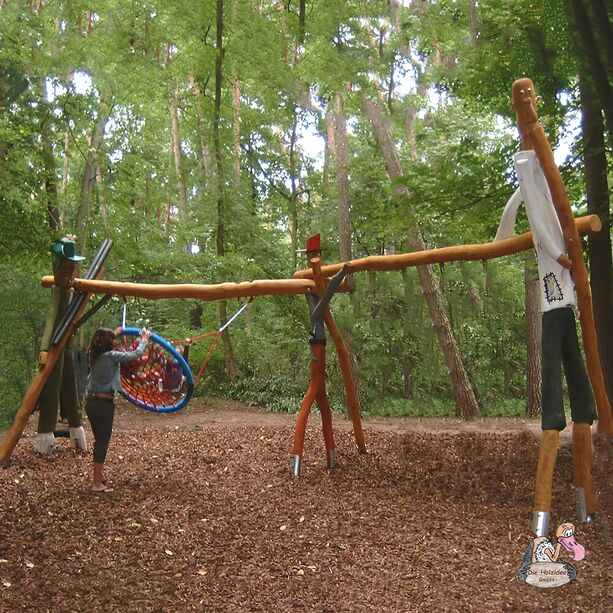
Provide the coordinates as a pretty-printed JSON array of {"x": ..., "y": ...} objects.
[{"x": 102, "y": 383}]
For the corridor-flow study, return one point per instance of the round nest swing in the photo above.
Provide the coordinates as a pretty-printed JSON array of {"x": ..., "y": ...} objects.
[{"x": 160, "y": 380}]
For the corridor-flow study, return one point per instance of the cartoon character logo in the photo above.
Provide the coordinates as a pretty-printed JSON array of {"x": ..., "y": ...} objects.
[{"x": 542, "y": 566}]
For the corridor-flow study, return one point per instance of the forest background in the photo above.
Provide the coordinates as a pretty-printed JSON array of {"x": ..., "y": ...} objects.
[{"x": 210, "y": 139}]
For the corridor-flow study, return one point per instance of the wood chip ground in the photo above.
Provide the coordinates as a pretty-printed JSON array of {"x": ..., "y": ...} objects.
[{"x": 205, "y": 516}]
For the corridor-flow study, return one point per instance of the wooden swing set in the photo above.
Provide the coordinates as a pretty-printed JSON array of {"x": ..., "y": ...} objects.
[{"x": 315, "y": 282}]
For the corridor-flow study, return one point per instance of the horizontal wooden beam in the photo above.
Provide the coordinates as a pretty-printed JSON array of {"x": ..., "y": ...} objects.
[
  {"x": 219, "y": 291},
  {"x": 482, "y": 251}
]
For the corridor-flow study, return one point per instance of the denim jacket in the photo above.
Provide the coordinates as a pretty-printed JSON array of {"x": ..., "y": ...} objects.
[{"x": 104, "y": 372}]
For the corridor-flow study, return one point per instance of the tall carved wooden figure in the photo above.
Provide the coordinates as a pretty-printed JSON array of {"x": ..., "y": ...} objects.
[
  {"x": 317, "y": 382},
  {"x": 60, "y": 388},
  {"x": 555, "y": 239}
]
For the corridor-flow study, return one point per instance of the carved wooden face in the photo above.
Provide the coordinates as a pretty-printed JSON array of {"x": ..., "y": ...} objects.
[{"x": 524, "y": 101}]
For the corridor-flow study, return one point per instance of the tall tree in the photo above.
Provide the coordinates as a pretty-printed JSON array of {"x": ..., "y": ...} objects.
[
  {"x": 219, "y": 167},
  {"x": 464, "y": 395},
  {"x": 177, "y": 153},
  {"x": 599, "y": 245},
  {"x": 342, "y": 179},
  {"x": 90, "y": 171}
]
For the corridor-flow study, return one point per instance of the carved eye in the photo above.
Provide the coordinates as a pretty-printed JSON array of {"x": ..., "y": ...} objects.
[
  {"x": 568, "y": 532},
  {"x": 529, "y": 89},
  {"x": 521, "y": 91}
]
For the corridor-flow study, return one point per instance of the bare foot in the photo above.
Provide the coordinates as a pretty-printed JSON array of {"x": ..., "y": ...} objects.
[{"x": 101, "y": 488}]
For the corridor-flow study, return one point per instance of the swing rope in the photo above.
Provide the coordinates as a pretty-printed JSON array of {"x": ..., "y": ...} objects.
[{"x": 216, "y": 334}]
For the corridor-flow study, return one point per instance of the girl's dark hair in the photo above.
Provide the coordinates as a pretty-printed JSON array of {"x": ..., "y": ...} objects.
[{"x": 102, "y": 341}]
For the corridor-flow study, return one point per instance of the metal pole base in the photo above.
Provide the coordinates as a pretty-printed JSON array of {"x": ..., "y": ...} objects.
[
  {"x": 361, "y": 448},
  {"x": 540, "y": 523},
  {"x": 296, "y": 465},
  {"x": 581, "y": 510},
  {"x": 331, "y": 459},
  {"x": 590, "y": 518}
]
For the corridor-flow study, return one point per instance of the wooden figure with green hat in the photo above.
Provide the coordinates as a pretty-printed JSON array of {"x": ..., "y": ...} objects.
[{"x": 60, "y": 390}]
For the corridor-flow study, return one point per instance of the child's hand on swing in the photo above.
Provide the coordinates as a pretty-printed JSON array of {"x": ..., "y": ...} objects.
[{"x": 145, "y": 334}]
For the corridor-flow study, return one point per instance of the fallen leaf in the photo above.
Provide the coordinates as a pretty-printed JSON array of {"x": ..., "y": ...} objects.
[
  {"x": 168, "y": 552},
  {"x": 202, "y": 571},
  {"x": 6, "y": 583},
  {"x": 283, "y": 527}
]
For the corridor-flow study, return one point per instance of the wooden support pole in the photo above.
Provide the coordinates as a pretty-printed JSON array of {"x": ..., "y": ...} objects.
[
  {"x": 351, "y": 396},
  {"x": 316, "y": 376},
  {"x": 319, "y": 352},
  {"x": 548, "y": 452},
  {"x": 13, "y": 434},
  {"x": 533, "y": 135},
  {"x": 485, "y": 251},
  {"x": 582, "y": 464}
]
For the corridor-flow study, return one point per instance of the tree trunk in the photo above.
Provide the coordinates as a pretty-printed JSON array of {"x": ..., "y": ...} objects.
[
  {"x": 49, "y": 175},
  {"x": 533, "y": 335},
  {"x": 597, "y": 63},
  {"x": 599, "y": 245},
  {"x": 466, "y": 401},
  {"x": 204, "y": 153},
  {"x": 328, "y": 136},
  {"x": 236, "y": 129},
  {"x": 293, "y": 202},
  {"x": 472, "y": 20},
  {"x": 342, "y": 179},
  {"x": 89, "y": 175},
  {"x": 219, "y": 239},
  {"x": 175, "y": 141}
]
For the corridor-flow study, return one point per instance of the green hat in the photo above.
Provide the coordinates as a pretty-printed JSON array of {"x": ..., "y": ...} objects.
[{"x": 66, "y": 248}]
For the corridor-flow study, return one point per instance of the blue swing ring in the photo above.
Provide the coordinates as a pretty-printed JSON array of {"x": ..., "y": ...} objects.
[{"x": 160, "y": 380}]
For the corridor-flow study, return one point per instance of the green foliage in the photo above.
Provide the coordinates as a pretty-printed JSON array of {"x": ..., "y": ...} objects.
[
  {"x": 66, "y": 64},
  {"x": 23, "y": 304}
]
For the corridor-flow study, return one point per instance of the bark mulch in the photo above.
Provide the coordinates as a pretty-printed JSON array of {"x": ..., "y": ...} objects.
[{"x": 205, "y": 516}]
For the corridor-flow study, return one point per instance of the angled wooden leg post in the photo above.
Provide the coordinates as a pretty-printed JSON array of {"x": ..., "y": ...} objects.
[
  {"x": 582, "y": 472},
  {"x": 316, "y": 392},
  {"x": 550, "y": 441}
]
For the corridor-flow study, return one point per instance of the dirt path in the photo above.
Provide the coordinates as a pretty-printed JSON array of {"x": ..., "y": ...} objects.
[{"x": 228, "y": 413}]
